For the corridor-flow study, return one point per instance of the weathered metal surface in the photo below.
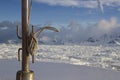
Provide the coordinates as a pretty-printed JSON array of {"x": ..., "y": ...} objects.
[
  {"x": 25, "y": 35},
  {"x": 18, "y": 32},
  {"x": 23, "y": 75},
  {"x": 29, "y": 42}
]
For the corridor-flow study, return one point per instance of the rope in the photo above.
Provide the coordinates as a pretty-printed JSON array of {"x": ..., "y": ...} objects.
[{"x": 33, "y": 41}]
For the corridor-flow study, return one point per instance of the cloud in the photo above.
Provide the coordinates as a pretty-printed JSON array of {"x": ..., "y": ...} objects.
[
  {"x": 78, "y": 32},
  {"x": 75, "y": 32},
  {"x": 103, "y": 27},
  {"x": 107, "y": 25},
  {"x": 60, "y": 2},
  {"x": 118, "y": 9},
  {"x": 100, "y": 4},
  {"x": 7, "y": 31},
  {"x": 45, "y": 39},
  {"x": 82, "y": 3}
]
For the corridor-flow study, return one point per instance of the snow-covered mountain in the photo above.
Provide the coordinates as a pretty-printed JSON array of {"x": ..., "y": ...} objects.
[{"x": 105, "y": 31}]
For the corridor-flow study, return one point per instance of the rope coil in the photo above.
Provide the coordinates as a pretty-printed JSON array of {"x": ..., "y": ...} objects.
[{"x": 33, "y": 42}]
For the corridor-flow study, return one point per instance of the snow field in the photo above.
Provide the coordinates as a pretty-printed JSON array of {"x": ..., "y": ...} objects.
[{"x": 96, "y": 56}]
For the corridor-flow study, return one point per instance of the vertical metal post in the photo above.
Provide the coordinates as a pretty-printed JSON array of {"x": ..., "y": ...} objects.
[
  {"x": 29, "y": 42},
  {"x": 25, "y": 73},
  {"x": 25, "y": 35}
]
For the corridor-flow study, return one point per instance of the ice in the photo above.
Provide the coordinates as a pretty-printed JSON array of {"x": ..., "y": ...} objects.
[
  {"x": 103, "y": 56},
  {"x": 57, "y": 71}
]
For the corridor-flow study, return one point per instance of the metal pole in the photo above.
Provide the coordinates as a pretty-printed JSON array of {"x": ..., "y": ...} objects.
[
  {"x": 25, "y": 73},
  {"x": 29, "y": 43},
  {"x": 25, "y": 35}
]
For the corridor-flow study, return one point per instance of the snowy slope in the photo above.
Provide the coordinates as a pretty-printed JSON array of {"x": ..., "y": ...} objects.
[
  {"x": 56, "y": 71},
  {"x": 96, "y": 56}
]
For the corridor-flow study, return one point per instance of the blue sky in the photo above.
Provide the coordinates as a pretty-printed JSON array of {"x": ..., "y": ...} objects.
[
  {"x": 83, "y": 18},
  {"x": 61, "y": 12}
]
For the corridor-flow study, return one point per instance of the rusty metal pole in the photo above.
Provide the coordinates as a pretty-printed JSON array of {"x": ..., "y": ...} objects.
[{"x": 25, "y": 73}]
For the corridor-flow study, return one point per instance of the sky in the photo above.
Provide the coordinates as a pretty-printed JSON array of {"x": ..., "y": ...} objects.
[
  {"x": 61, "y": 12},
  {"x": 77, "y": 20}
]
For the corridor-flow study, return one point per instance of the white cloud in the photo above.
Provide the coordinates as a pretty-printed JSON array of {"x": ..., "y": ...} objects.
[
  {"x": 77, "y": 31},
  {"x": 100, "y": 4},
  {"x": 107, "y": 25},
  {"x": 104, "y": 27},
  {"x": 60, "y": 2},
  {"x": 45, "y": 39},
  {"x": 81, "y": 3}
]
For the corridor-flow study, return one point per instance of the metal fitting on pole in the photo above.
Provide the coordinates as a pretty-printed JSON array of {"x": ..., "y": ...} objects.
[
  {"x": 25, "y": 73},
  {"x": 29, "y": 43}
]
